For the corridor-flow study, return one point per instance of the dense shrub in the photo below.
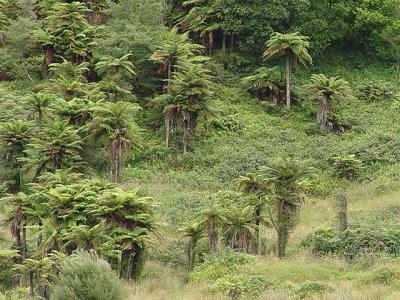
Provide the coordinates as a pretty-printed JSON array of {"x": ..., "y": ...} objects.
[
  {"x": 171, "y": 253},
  {"x": 215, "y": 267},
  {"x": 236, "y": 285},
  {"x": 353, "y": 243},
  {"x": 382, "y": 217},
  {"x": 311, "y": 288},
  {"x": 86, "y": 277},
  {"x": 386, "y": 276},
  {"x": 348, "y": 166},
  {"x": 374, "y": 91}
]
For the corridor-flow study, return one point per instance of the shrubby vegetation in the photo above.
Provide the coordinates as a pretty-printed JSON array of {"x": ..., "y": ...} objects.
[
  {"x": 87, "y": 277},
  {"x": 224, "y": 139}
]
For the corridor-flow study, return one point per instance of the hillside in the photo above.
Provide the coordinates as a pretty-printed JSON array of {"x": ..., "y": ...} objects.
[{"x": 199, "y": 149}]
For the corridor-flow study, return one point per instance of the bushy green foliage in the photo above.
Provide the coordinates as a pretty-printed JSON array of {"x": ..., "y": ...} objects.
[
  {"x": 348, "y": 167},
  {"x": 214, "y": 267},
  {"x": 241, "y": 285},
  {"x": 382, "y": 217},
  {"x": 311, "y": 288},
  {"x": 353, "y": 243},
  {"x": 376, "y": 91},
  {"x": 86, "y": 277},
  {"x": 386, "y": 275}
]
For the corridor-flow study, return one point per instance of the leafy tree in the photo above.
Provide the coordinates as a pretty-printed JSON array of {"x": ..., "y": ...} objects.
[
  {"x": 329, "y": 88},
  {"x": 132, "y": 220},
  {"x": 116, "y": 74},
  {"x": 58, "y": 148},
  {"x": 16, "y": 206},
  {"x": 39, "y": 103},
  {"x": 67, "y": 33},
  {"x": 257, "y": 187},
  {"x": 294, "y": 47},
  {"x": 174, "y": 47},
  {"x": 189, "y": 98},
  {"x": 266, "y": 82},
  {"x": 108, "y": 65},
  {"x": 194, "y": 232},
  {"x": 113, "y": 123},
  {"x": 85, "y": 237},
  {"x": 286, "y": 200},
  {"x": 202, "y": 18},
  {"x": 239, "y": 228},
  {"x": 68, "y": 80},
  {"x": 14, "y": 137},
  {"x": 211, "y": 220},
  {"x": 42, "y": 271}
]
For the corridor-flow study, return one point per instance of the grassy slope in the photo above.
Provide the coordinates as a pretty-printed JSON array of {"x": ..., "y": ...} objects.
[
  {"x": 253, "y": 135},
  {"x": 261, "y": 134}
]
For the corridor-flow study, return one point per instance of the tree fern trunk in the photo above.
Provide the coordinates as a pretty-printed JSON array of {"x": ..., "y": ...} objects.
[
  {"x": 31, "y": 284},
  {"x": 323, "y": 114},
  {"x": 288, "y": 78},
  {"x": 342, "y": 211},
  {"x": 185, "y": 134},
  {"x": 257, "y": 231},
  {"x": 23, "y": 244},
  {"x": 167, "y": 130}
]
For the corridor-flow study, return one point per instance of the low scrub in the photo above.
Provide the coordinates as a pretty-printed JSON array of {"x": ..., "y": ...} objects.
[
  {"x": 235, "y": 286},
  {"x": 353, "y": 243},
  {"x": 215, "y": 267},
  {"x": 311, "y": 288},
  {"x": 86, "y": 277}
]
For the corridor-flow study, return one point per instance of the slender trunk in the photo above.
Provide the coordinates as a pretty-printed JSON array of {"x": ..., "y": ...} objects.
[
  {"x": 283, "y": 227},
  {"x": 204, "y": 42},
  {"x": 163, "y": 12},
  {"x": 17, "y": 179},
  {"x": 257, "y": 231},
  {"x": 40, "y": 119},
  {"x": 117, "y": 170},
  {"x": 1, "y": 39},
  {"x": 48, "y": 59},
  {"x": 323, "y": 114},
  {"x": 263, "y": 250},
  {"x": 231, "y": 44},
  {"x": 213, "y": 238},
  {"x": 18, "y": 240},
  {"x": 288, "y": 78},
  {"x": 23, "y": 244},
  {"x": 31, "y": 284},
  {"x": 231, "y": 48},
  {"x": 210, "y": 42},
  {"x": 192, "y": 254},
  {"x": 186, "y": 130},
  {"x": 137, "y": 263},
  {"x": 167, "y": 130},
  {"x": 342, "y": 211},
  {"x": 124, "y": 265},
  {"x": 39, "y": 241},
  {"x": 169, "y": 77},
  {"x": 223, "y": 43}
]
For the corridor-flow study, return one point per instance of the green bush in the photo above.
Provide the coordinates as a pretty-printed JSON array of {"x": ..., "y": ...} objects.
[
  {"x": 311, "y": 288},
  {"x": 86, "y": 277},
  {"x": 171, "y": 253},
  {"x": 382, "y": 217},
  {"x": 353, "y": 243},
  {"x": 386, "y": 276},
  {"x": 374, "y": 91},
  {"x": 348, "y": 166},
  {"x": 237, "y": 285},
  {"x": 219, "y": 266}
]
